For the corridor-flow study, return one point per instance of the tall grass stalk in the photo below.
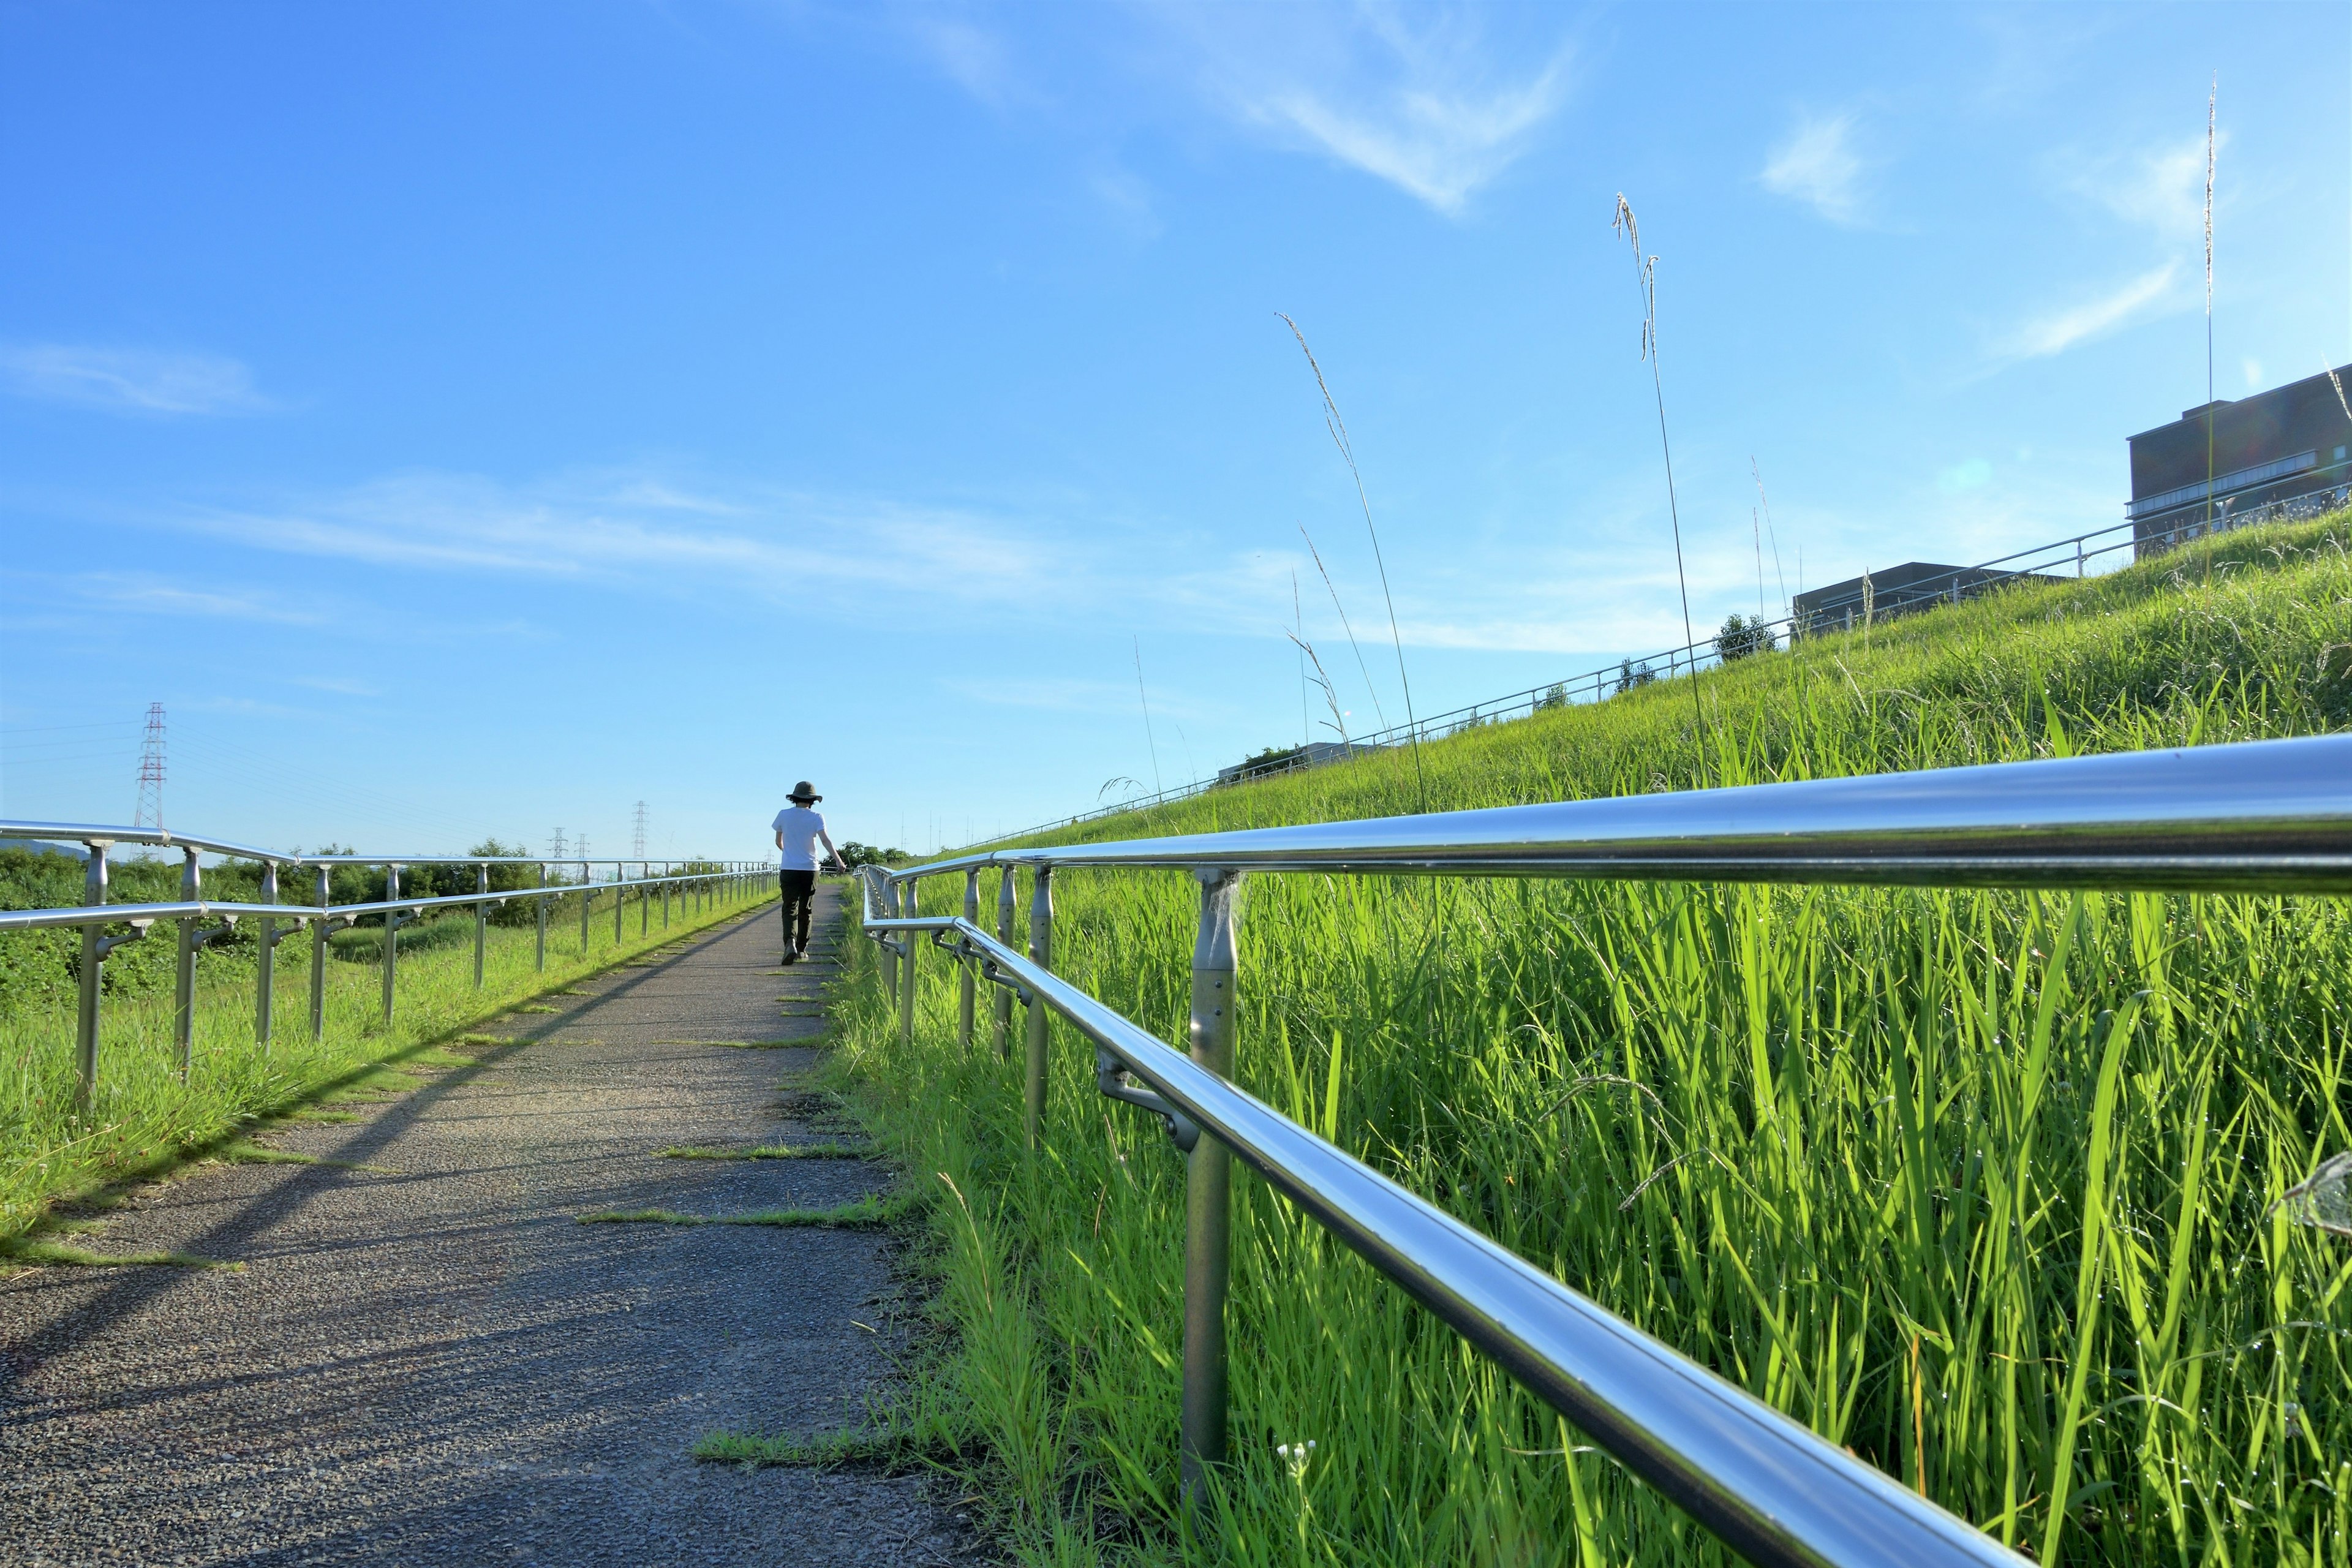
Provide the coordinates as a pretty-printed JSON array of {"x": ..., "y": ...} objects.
[
  {"x": 1645, "y": 275},
  {"x": 1978, "y": 1185},
  {"x": 1370, "y": 690},
  {"x": 1339, "y": 431}
]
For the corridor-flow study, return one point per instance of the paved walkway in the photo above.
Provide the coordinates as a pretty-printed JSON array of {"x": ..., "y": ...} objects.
[{"x": 434, "y": 1363}]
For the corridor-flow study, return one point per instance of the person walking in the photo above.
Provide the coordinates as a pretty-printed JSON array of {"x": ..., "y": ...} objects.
[{"x": 799, "y": 830}]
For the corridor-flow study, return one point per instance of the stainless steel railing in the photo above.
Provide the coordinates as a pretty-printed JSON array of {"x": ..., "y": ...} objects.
[
  {"x": 2265, "y": 817},
  {"x": 730, "y": 881}
]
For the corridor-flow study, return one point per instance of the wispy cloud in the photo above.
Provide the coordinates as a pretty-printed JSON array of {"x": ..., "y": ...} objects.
[
  {"x": 968, "y": 54},
  {"x": 140, "y": 595},
  {"x": 2060, "y": 330},
  {"x": 1816, "y": 164},
  {"x": 642, "y": 529},
  {"x": 2159, "y": 188},
  {"x": 1429, "y": 105},
  {"x": 129, "y": 381}
]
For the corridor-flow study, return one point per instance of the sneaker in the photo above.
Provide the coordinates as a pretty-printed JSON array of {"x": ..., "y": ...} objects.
[{"x": 791, "y": 954}]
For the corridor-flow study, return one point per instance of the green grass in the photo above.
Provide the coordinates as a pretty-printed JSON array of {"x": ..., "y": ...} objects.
[
  {"x": 889, "y": 1450},
  {"x": 866, "y": 1214},
  {"x": 239, "y": 1152},
  {"x": 143, "y": 1120},
  {"x": 1977, "y": 1184},
  {"x": 31, "y": 1252}
]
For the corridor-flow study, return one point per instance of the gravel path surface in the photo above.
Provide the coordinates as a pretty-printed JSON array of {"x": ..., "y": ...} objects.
[{"x": 433, "y": 1362}]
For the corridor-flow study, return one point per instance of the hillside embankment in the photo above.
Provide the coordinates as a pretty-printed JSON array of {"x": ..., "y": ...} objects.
[{"x": 1978, "y": 1185}]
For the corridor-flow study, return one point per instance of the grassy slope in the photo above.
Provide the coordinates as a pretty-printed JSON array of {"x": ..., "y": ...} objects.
[
  {"x": 1846, "y": 1146},
  {"x": 142, "y": 1117}
]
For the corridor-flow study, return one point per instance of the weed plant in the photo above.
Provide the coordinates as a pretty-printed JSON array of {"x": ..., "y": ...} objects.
[
  {"x": 1978, "y": 1185},
  {"x": 142, "y": 1117}
]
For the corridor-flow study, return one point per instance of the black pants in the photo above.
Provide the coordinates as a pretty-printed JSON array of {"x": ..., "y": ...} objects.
[{"x": 800, "y": 894}]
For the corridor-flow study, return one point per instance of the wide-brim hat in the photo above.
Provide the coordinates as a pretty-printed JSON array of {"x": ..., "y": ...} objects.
[{"x": 804, "y": 793}]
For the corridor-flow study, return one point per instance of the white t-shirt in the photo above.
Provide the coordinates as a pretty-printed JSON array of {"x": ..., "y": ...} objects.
[{"x": 799, "y": 827}]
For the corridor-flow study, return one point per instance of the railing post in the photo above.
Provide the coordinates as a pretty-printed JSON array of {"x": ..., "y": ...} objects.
[
  {"x": 906, "y": 976},
  {"x": 890, "y": 901},
  {"x": 541, "y": 902},
  {"x": 620, "y": 901},
  {"x": 667, "y": 868},
  {"x": 319, "y": 930},
  {"x": 92, "y": 956},
  {"x": 1041, "y": 954},
  {"x": 391, "y": 937},
  {"x": 183, "y": 984},
  {"x": 587, "y": 899},
  {"x": 1005, "y": 906},
  {"x": 645, "y": 898},
  {"x": 966, "y": 982},
  {"x": 266, "y": 970},
  {"x": 1207, "y": 1206},
  {"x": 481, "y": 918}
]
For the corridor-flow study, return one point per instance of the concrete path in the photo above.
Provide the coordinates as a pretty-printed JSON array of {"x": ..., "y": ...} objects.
[{"x": 434, "y": 1363}]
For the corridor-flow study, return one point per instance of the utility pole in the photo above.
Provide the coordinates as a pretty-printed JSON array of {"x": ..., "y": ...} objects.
[
  {"x": 151, "y": 771},
  {"x": 638, "y": 834},
  {"x": 555, "y": 845}
]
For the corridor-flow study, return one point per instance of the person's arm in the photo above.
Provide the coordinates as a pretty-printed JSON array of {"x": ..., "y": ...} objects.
[
  {"x": 829, "y": 849},
  {"x": 780, "y": 838}
]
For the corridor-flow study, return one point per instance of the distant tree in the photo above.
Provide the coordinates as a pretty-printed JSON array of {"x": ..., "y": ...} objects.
[
  {"x": 1552, "y": 696},
  {"x": 1742, "y": 635},
  {"x": 1630, "y": 675},
  {"x": 854, "y": 855},
  {"x": 1273, "y": 760}
]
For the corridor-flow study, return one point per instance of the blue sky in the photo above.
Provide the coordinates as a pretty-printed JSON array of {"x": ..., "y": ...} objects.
[{"x": 477, "y": 418}]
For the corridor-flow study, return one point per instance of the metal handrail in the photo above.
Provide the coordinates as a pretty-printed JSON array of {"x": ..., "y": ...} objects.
[
  {"x": 161, "y": 837},
  {"x": 2253, "y": 816},
  {"x": 204, "y": 909},
  {"x": 1765, "y": 1484},
  {"x": 95, "y": 914},
  {"x": 2265, "y": 816}
]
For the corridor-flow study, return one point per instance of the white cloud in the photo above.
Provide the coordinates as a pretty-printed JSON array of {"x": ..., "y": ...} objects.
[
  {"x": 2060, "y": 329},
  {"x": 1816, "y": 164},
  {"x": 641, "y": 529},
  {"x": 2159, "y": 188},
  {"x": 130, "y": 381},
  {"x": 970, "y": 55},
  {"x": 139, "y": 594},
  {"x": 1431, "y": 107}
]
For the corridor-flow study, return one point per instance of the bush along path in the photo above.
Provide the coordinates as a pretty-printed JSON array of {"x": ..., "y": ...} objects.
[{"x": 413, "y": 1350}]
